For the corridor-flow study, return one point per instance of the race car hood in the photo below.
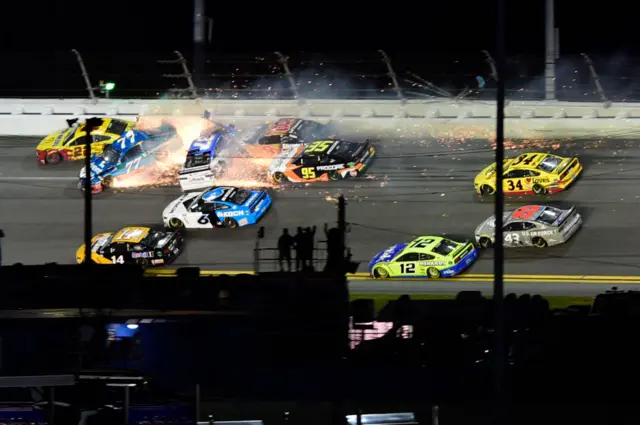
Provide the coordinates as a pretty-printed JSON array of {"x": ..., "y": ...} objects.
[
  {"x": 490, "y": 171},
  {"x": 98, "y": 242},
  {"x": 51, "y": 140},
  {"x": 488, "y": 227},
  {"x": 386, "y": 255},
  {"x": 177, "y": 206},
  {"x": 280, "y": 162}
]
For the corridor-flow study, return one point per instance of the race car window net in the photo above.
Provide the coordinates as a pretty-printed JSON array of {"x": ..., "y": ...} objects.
[
  {"x": 445, "y": 247},
  {"x": 197, "y": 159},
  {"x": 345, "y": 150},
  {"x": 270, "y": 140},
  {"x": 116, "y": 127},
  {"x": 151, "y": 239},
  {"x": 110, "y": 154},
  {"x": 550, "y": 163},
  {"x": 239, "y": 197},
  {"x": 549, "y": 215}
]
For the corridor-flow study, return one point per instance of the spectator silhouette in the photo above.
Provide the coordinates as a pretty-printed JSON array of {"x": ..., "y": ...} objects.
[
  {"x": 308, "y": 242},
  {"x": 299, "y": 245},
  {"x": 285, "y": 243}
]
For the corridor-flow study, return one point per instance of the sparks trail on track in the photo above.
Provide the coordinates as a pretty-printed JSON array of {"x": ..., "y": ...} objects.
[{"x": 606, "y": 246}]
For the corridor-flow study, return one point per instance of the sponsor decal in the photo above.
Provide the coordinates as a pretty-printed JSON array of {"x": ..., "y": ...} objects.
[
  {"x": 259, "y": 205},
  {"x": 252, "y": 198},
  {"x": 95, "y": 168},
  {"x": 542, "y": 233},
  {"x": 432, "y": 263},
  {"x": 142, "y": 255},
  {"x": 448, "y": 273},
  {"x": 353, "y": 173},
  {"x": 387, "y": 255},
  {"x": 160, "y": 261},
  {"x": 541, "y": 180},
  {"x": 232, "y": 214},
  {"x": 243, "y": 222},
  {"x": 330, "y": 167}
]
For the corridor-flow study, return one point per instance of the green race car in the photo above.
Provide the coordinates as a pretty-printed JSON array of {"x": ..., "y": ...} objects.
[{"x": 424, "y": 257}]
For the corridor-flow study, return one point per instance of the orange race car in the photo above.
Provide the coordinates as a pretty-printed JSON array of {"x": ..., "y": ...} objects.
[
  {"x": 322, "y": 161},
  {"x": 268, "y": 140}
]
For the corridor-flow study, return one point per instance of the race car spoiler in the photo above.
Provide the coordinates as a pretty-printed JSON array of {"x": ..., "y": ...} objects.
[
  {"x": 259, "y": 198},
  {"x": 567, "y": 163},
  {"x": 564, "y": 216}
]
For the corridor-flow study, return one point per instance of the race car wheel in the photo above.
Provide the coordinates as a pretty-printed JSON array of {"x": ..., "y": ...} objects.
[
  {"x": 485, "y": 243},
  {"x": 487, "y": 190},
  {"x": 230, "y": 223},
  {"x": 539, "y": 190},
  {"x": 433, "y": 272},
  {"x": 176, "y": 223},
  {"x": 380, "y": 273},
  {"x": 108, "y": 181},
  {"x": 538, "y": 242},
  {"x": 334, "y": 175},
  {"x": 53, "y": 158},
  {"x": 278, "y": 177}
]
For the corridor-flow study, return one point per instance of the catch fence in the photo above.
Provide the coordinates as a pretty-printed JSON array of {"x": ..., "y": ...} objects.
[{"x": 296, "y": 75}]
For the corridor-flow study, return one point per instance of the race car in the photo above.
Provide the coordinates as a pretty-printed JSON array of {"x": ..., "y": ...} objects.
[
  {"x": 268, "y": 140},
  {"x": 207, "y": 159},
  {"x": 322, "y": 160},
  {"x": 229, "y": 207},
  {"x": 134, "y": 245},
  {"x": 133, "y": 152},
  {"x": 69, "y": 144},
  {"x": 531, "y": 173},
  {"x": 532, "y": 225},
  {"x": 426, "y": 256}
]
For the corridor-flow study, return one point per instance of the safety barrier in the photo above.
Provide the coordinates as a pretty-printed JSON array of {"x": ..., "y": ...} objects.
[{"x": 31, "y": 117}]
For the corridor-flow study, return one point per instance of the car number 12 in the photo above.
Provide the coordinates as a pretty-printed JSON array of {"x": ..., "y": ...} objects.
[{"x": 408, "y": 268}]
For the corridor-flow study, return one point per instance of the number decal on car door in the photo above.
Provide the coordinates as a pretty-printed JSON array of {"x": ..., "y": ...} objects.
[
  {"x": 512, "y": 187},
  {"x": 117, "y": 259},
  {"x": 513, "y": 238},
  {"x": 407, "y": 268}
]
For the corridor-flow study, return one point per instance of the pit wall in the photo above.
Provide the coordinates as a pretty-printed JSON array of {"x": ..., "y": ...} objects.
[{"x": 40, "y": 117}]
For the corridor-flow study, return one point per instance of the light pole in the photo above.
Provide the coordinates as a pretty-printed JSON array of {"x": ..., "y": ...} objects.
[{"x": 550, "y": 55}]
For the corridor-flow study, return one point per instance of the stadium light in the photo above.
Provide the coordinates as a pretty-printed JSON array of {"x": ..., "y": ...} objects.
[
  {"x": 109, "y": 86},
  {"x": 106, "y": 87}
]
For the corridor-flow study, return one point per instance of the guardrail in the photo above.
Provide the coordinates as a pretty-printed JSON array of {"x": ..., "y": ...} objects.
[{"x": 296, "y": 75}]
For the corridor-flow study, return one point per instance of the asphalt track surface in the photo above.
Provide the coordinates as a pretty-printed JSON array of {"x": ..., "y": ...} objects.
[{"x": 416, "y": 186}]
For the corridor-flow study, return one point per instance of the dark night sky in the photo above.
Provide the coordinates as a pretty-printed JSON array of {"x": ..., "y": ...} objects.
[{"x": 443, "y": 27}]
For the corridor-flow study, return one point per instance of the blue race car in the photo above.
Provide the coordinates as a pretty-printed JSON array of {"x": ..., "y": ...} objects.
[
  {"x": 135, "y": 151},
  {"x": 207, "y": 159},
  {"x": 217, "y": 207}
]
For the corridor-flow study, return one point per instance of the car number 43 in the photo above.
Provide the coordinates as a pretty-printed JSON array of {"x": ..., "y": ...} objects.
[{"x": 512, "y": 238}]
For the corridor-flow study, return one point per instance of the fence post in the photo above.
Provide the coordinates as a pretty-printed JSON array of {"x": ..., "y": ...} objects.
[
  {"x": 285, "y": 66},
  {"x": 596, "y": 80},
  {"x": 185, "y": 73},
  {"x": 85, "y": 74},
  {"x": 392, "y": 74}
]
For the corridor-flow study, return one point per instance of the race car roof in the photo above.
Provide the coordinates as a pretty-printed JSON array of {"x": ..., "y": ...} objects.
[{"x": 131, "y": 235}]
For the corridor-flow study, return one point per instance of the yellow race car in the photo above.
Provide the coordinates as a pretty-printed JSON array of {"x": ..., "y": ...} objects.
[
  {"x": 530, "y": 173},
  {"x": 68, "y": 144},
  {"x": 134, "y": 245}
]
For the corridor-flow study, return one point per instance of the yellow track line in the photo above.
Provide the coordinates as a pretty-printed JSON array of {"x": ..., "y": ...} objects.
[{"x": 516, "y": 278}]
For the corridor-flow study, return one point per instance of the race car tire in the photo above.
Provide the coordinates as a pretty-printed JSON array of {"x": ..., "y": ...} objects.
[
  {"x": 108, "y": 181},
  {"x": 175, "y": 223},
  {"x": 538, "y": 242},
  {"x": 380, "y": 273},
  {"x": 278, "y": 177},
  {"x": 53, "y": 158},
  {"x": 433, "y": 273},
  {"x": 539, "y": 190},
  {"x": 230, "y": 223},
  {"x": 485, "y": 243},
  {"x": 487, "y": 190},
  {"x": 334, "y": 175}
]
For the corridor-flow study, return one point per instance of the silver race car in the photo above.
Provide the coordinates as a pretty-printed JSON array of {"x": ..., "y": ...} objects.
[{"x": 532, "y": 225}]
